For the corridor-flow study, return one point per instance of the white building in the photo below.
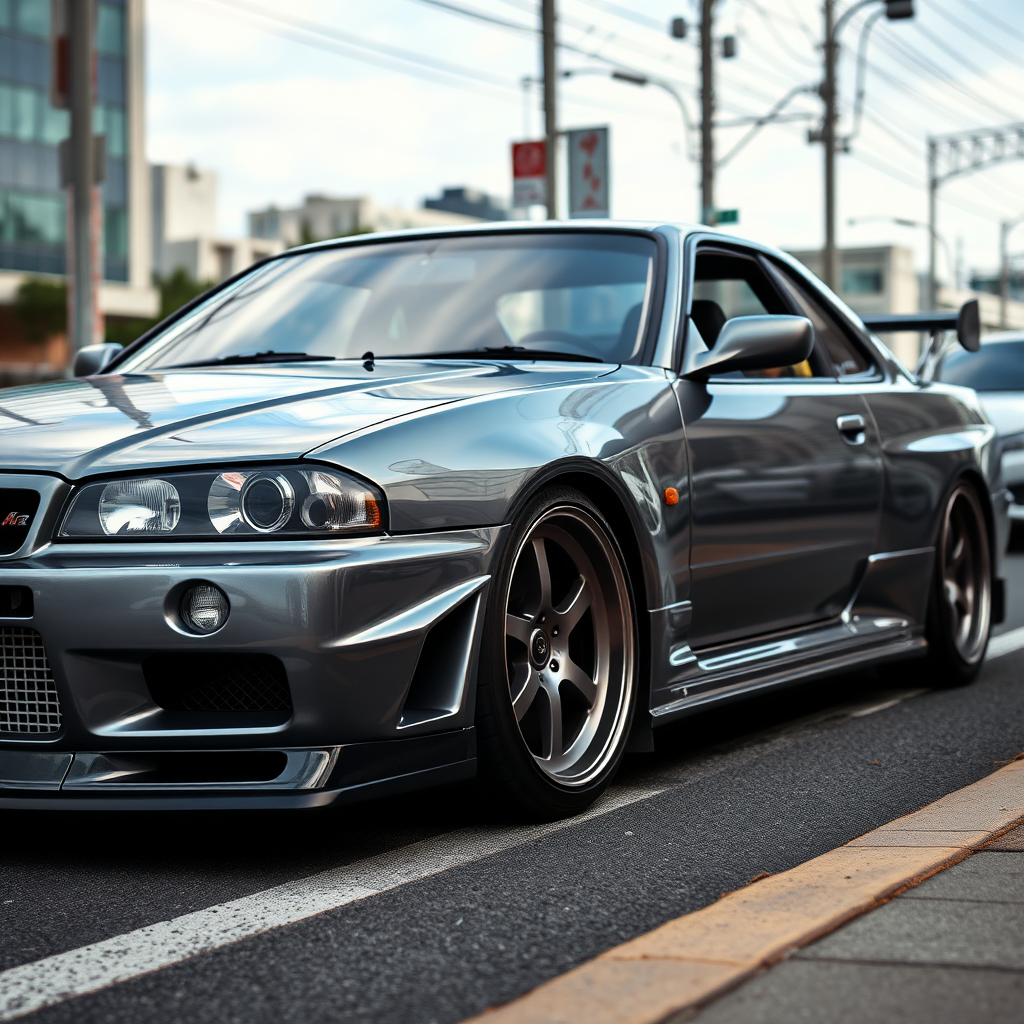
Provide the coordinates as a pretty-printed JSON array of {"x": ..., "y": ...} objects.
[
  {"x": 332, "y": 217},
  {"x": 185, "y": 227},
  {"x": 874, "y": 280}
]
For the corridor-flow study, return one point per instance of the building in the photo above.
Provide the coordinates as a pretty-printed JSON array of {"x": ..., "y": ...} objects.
[
  {"x": 332, "y": 217},
  {"x": 469, "y": 203},
  {"x": 883, "y": 279},
  {"x": 184, "y": 219},
  {"x": 33, "y": 207},
  {"x": 879, "y": 279}
]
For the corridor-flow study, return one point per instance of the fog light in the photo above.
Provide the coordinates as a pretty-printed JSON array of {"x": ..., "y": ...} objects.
[{"x": 204, "y": 608}]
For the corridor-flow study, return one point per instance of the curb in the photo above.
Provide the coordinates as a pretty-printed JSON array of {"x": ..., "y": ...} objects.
[{"x": 694, "y": 958}]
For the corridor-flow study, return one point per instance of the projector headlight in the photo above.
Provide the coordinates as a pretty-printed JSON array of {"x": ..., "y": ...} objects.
[{"x": 244, "y": 503}]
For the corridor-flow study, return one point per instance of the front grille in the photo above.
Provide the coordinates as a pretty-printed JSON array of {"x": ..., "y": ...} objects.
[
  {"x": 218, "y": 682},
  {"x": 28, "y": 696}
]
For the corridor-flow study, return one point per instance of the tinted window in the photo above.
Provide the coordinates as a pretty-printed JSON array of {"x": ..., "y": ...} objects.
[
  {"x": 727, "y": 286},
  {"x": 846, "y": 356},
  {"x": 578, "y": 294},
  {"x": 998, "y": 366}
]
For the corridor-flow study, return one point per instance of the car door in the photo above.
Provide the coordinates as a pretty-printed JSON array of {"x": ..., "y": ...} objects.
[{"x": 786, "y": 471}]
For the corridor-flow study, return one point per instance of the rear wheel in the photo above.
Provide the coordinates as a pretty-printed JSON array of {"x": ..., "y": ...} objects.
[
  {"x": 960, "y": 606},
  {"x": 558, "y": 671}
]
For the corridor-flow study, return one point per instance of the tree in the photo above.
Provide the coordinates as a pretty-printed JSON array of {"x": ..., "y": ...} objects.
[
  {"x": 41, "y": 307},
  {"x": 175, "y": 290}
]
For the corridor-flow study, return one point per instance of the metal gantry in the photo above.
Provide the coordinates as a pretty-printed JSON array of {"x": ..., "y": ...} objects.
[{"x": 959, "y": 153}]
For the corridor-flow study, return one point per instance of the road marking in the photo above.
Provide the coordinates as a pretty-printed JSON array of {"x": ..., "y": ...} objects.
[
  {"x": 890, "y": 703},
  {"x": 63, "y": 976},
  {"x": 699, "y": 956},
  {"x": 1005, "y": 643}
]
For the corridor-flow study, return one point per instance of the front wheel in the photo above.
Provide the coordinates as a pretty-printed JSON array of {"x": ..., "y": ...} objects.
[
  {"x": 559, "y": 662},
  {"x": 960, "y": 605}
]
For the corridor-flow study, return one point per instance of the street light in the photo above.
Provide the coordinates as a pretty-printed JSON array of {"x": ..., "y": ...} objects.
[{"x": 895, "y": 10}]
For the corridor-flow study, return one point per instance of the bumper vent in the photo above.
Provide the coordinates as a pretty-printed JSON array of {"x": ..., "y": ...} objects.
[
  {"x": 218, "y": 682},
  {"x": 28, "y": 696}
]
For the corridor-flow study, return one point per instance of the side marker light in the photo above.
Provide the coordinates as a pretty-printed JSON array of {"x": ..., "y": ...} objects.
[{"x": 671, "y": 496}]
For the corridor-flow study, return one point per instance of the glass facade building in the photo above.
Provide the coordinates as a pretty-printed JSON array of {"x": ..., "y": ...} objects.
[{"x": 33, "y": 206}]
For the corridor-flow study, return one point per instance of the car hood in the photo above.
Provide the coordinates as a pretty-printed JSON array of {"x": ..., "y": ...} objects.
[
  {"x": 1004, "y": 410},
  {"x": 115, "y": 423}
]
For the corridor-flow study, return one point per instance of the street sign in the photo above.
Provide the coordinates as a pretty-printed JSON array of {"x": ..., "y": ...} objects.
[
  {"x": 588, "y": 173},
  {"x": 728, "y": 216},
  {"x": 529, "y": 167}
]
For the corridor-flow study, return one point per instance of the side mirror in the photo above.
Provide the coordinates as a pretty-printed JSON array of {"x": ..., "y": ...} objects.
[
  {"x": 93, "y": 358},
  {"x": 752, "y": 343}
]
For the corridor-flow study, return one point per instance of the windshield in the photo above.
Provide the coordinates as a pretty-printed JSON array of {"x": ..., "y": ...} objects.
[
  {"x": 998, "y": 366},
  {"x": 582, "y": 295}
]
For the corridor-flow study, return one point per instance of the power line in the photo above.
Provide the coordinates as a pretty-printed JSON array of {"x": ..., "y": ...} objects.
[
  {"x": 971, "y": 31},
  {"x": 381, "y": 54},
  {"x": 625, "y": 13},
  {"x": 766, "y": 17},
  {"x": 490, "y": 19},
  {"x": 992, "y": 19},
  {"x": 899, "y": 175}
]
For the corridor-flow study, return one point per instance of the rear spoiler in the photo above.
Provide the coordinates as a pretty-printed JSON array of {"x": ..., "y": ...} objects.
[{"x": 966, "y": 323}]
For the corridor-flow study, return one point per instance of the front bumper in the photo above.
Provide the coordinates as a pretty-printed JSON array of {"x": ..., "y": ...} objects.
[{"x": 377, "y": 636}]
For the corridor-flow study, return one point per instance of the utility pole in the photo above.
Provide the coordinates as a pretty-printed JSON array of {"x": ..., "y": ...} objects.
[
  {"x": 1004, "y": 273},
  {"x": 707, "y": 113},
  {"x": 83, "y": 251},
  {"x": 933, "y": 232},
  {"x": 830, "y": 261},
  {"x": 547, "y": 16}
]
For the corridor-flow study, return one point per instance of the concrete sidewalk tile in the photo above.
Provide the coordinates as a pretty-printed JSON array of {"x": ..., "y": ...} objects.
[
  {"x": 919, "y": 837},
  {"x": 760, "y": 922},
  {"x": 803, "y": 990},
  {"x": 608, "y": 992},
  {"x": 1012, "y": 842},
  {"x": 989, "y": 877},
  {"x": 950, "y": 932}
]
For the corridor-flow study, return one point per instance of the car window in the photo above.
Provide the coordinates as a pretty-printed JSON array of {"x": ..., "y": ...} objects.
[
  {"x": 846, "y": 357},
  {"x": 998, "y": 366},
  {"x": 581, "y": 295},
  {"x": 727, "y": 286}
]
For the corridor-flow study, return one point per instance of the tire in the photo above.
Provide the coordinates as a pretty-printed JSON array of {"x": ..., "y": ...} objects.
[
  {"x": 558, "y": 668},
  {"x": 960, "y": 602}
]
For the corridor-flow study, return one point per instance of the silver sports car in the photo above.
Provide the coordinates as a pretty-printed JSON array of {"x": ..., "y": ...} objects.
[{"x": 399, "y": 510}]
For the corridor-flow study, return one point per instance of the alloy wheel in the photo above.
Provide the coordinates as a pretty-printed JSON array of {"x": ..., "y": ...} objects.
[
  {"x": 965, "y": 575},
  {"x": 569, "y": 645}
]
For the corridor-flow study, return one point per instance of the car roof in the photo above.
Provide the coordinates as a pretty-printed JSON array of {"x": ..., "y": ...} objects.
[{"x": 589, "y": 224}]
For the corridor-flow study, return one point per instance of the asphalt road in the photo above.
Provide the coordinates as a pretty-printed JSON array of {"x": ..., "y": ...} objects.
[{"x": 754, "y": 787}]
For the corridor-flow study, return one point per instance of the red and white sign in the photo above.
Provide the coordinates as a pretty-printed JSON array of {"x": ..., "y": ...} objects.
[
  {"x": 529, "y": 170},
  {"x": 588, "y": 173}
]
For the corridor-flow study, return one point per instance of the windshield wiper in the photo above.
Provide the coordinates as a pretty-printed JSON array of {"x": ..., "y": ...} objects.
[
  {"x": 242, "y": 359},
  {"x": 503, "y": 352}
]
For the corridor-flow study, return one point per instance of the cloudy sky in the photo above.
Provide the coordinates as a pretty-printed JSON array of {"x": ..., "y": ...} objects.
[{"x": 398, "y": 98}]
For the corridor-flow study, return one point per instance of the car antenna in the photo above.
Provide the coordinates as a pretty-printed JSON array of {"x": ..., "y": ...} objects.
[{"x": 367, "y": 360}]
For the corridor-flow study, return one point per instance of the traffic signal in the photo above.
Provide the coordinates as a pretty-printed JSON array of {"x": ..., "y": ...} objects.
[
  {"x": 677, "y": 28},
  {"x": 897, "y": 9}
]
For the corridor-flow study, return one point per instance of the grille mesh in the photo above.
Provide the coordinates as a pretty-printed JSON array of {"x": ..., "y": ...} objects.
[
  {"x": 241, "y": 689},
  {"x": 28, "y": 696},
  {"x": 218, "y": 682}
]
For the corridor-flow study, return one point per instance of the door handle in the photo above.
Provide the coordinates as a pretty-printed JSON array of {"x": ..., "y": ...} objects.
[{"x": 852, "y": 428}]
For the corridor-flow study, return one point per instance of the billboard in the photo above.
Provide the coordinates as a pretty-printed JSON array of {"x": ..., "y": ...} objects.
[
  {"x": 529, "y": 169},
  {"x": 588, "y": 173}
]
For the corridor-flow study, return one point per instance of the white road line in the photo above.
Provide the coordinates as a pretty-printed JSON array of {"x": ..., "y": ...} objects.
[
  {"x": 890, "y": 703},
  {"x": 1006, "y": 643},
  {"x": 63, "y": 976}
]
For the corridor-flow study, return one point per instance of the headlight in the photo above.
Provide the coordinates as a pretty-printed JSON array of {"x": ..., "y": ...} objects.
[{"x": 277, "y": 502}]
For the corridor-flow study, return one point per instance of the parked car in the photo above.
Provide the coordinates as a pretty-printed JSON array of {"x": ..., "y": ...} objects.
[
  {"x": 391, "y": 511},
  {"x": 996, "y": 373}
]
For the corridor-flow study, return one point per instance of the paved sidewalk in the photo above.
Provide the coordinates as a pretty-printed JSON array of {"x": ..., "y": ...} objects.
[{"x": 949, "y": 950}]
